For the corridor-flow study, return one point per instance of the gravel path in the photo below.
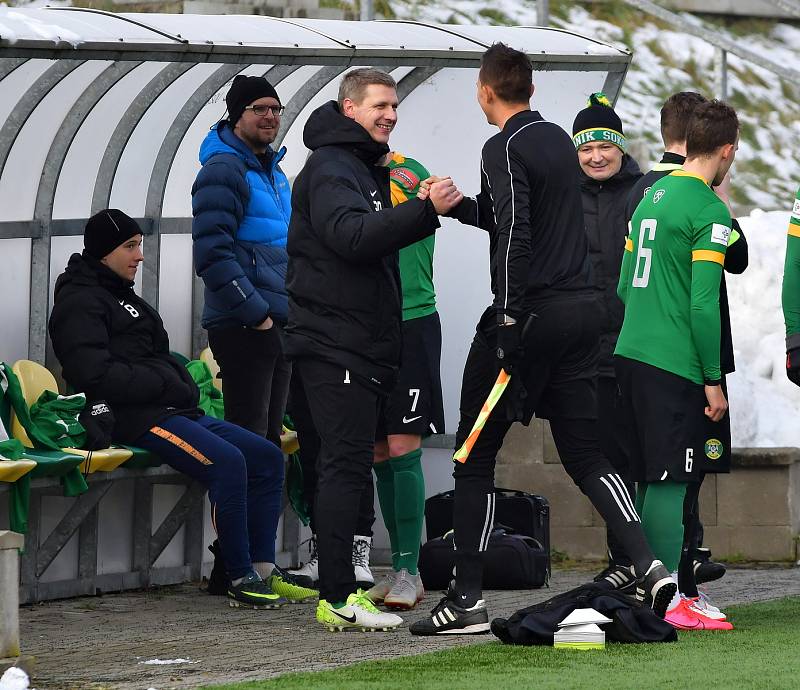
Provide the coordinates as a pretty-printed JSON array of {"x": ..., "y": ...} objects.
[{"x": 103, "y": 642}]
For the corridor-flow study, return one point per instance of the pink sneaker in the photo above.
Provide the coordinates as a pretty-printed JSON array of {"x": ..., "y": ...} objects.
[{"x": 683, "y": 617}]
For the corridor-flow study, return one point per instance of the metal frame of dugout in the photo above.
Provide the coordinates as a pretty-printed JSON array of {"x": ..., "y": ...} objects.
[{"x": 72, "y": 39}]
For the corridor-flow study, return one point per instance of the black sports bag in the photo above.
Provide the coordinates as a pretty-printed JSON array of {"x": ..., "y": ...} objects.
[
  {"x": 524, "y": 513},
  {"x": 511, "y": 561}
]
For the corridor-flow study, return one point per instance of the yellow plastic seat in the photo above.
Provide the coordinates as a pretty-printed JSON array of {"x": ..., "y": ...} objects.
[
  {"x": 34, "y": 379},
  {"x": 289, "y": 441},
  {"x": 11, "y": 470},
  {"x": 208, "y": 357}
]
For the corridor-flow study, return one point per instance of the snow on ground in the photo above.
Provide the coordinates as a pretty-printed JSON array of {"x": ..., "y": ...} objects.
[{"x": 764, "y": 405}]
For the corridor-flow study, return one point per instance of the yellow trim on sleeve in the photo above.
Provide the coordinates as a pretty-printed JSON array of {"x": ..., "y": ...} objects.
[
  {"x": 398, "y": 196},
  {"x": 628, "y": 244},
  {"x": 794, "y": 230},
  {"x": 708, "y": 255}
]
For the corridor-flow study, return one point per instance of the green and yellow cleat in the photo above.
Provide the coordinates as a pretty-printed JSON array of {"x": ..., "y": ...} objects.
[
  {"x": 359, "y": 613},
  {"x": 253, "y": 592},
  {"x": 289, "y": 587}
]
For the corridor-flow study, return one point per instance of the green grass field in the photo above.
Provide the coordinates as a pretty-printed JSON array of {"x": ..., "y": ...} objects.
[{"x": 762, "y": 652}]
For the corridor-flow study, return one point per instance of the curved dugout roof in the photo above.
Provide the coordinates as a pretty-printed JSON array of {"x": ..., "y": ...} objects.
[{"x": 95, "y": 107}]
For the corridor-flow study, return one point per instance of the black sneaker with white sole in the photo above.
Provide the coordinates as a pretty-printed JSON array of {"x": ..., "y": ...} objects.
[
  {"x": 449, "y": 618},
  {"x": 656, "y": 588},
  {"x": 705, "y": 570}
]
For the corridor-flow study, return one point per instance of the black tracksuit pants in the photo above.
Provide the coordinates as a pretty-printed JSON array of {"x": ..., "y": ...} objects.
[
  {"x": 307, "y": 435},
  {"x": 345, "y": 412},
  {"x": 559, "y": 375},
  {"x": 255, "y": 378}
]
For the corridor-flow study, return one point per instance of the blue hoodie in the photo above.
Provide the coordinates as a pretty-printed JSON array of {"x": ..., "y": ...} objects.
[{"x": 241, "y": 215}]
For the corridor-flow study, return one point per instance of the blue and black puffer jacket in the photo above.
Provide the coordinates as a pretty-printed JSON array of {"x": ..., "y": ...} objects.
[{"x": 241, "y": 212}]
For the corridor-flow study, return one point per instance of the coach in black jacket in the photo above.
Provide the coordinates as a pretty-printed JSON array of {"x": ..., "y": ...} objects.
[
  {"x": 345, "y": 308},
  {"x": 607, "y": 175}
]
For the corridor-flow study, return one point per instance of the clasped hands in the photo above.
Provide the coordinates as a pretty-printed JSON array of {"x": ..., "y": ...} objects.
[{"x": 441, "y": 191}]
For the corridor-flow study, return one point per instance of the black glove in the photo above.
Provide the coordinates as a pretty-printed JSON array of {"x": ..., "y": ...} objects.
[
  {"x": 509, "y": 346},
  {"x": 98, "y": 421},
  {"x": 793, "y": 365}
]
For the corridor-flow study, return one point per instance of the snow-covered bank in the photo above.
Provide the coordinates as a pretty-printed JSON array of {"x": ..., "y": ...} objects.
[{"x": 765, "y": 406}]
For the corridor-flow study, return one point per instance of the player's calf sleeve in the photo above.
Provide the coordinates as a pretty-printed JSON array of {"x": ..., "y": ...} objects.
[
  {"x": 409, "y": 507},
  {"x": 384, "y": 481},
  {"x": 691, "y": 523},
  {"x": 611, "y": 499},
  {"x": 662, "y": 520}
]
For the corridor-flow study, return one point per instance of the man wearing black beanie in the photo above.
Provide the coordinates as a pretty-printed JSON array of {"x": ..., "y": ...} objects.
[
  {"x": 607, "y": 174},
  {"x": 112, "y": 345},
  {"x": 241, "y": 207}
]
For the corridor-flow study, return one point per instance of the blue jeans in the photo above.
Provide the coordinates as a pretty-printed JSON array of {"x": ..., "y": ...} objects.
[{"x": 243, "y": 473}]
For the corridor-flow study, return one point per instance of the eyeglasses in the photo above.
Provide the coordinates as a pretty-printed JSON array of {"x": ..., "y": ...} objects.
[{"x": 262, "y": 110}]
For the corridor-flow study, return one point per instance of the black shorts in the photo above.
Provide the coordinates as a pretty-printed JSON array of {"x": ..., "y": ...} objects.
[
  {"x": 558, "y": 374},
  {"x": 415, "y": 405},
  {"x": 670, "y": 437}
]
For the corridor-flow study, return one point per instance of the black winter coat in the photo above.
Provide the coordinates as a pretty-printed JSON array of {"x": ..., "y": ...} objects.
[
  {"x": 343, "y": 279},
  {"x": 112, "y": 346},
  {"x": 604, "y": 213}
]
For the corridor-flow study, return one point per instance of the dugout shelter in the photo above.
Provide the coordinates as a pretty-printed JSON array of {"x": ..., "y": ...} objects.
[{"x": 108, "y": 110}]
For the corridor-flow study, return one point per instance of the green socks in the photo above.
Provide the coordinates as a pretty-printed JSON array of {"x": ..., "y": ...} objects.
[
  {"x": 660, "y": 505},
  {"x": 384, "y": 484},
  {"x": 401, "y": 492}
]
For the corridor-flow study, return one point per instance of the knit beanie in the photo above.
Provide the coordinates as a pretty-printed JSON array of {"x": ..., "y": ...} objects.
[
  {"x": 598, "y": 122},
  {"x": 244, "y": 90},
  {"x": 107, "y": 230}
]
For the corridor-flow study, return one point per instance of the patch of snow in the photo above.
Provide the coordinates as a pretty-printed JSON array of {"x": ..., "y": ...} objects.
[
  {"x": 14, "y": 679},
  {"x": 166, "y": 662},
  {"x": 764, "y": 404}
]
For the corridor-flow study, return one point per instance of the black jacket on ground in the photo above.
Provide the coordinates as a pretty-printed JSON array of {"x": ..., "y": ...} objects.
[
  {"x": 112, "y": 346},
  {"x": 343, "y": 279},
  {"x": 530, "y": 204},
  {"x": 604, "y": 213},
  {"x": 736, "y": 256}
]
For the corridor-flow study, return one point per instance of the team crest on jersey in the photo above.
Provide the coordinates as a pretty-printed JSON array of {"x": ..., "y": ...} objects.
[
  {"x": 714, "y": 449},
  {"x": 404, "y": 177},
  {"x": 658, "y": 195},
  {"x": 796, "y": 209}
]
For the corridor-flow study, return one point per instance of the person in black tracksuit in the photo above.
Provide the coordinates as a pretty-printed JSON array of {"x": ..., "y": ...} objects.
[
  {"x": 542, "y": 327},
  {"x": 112, "y": 345},
  {"x": 695, "y": 565},
  {"x": 607, "y": 174},
  {"x": 343, "y": 334}
]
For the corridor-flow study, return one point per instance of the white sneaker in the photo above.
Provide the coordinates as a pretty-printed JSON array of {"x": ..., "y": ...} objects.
[
  {"x": 406, "y": 593},
  {"x": 703, "y": 606},
  {"x": 378, "y": 593},
  {"x": 359, "y": 613},
  {"x": 308, "y": 575},
  {"x": 361, "y": 571}
]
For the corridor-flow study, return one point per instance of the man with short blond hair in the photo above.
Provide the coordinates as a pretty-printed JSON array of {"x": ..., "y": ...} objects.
[{"x": 345, "y": 313}]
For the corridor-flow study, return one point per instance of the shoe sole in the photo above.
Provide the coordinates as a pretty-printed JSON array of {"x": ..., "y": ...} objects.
[
  {"x": 357, "y": 628},
  {"x": 401, "y": 605},
  {"x": 665, "y": 590},
  {"x": 475, "y": 629},
  {"x": 234, "y": 604}
]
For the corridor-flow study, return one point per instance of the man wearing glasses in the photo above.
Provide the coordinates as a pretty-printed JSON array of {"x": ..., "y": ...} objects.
[{"x": 241, "y": 203}]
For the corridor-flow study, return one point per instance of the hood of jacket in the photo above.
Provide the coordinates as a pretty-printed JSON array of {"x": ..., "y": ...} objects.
[
  {"x": 84, "y": 270},
  {"x": 627, "y": 172},
  {"x": 326, "y": 126},
  {"x": 221, "y": 139}
]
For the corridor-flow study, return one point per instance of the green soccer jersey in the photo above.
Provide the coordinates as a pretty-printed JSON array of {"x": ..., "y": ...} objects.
[
  {"x": 791, "y": 279},
  {"x": 416, "y": 260},
  {"x": 670, "y": 278}
]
